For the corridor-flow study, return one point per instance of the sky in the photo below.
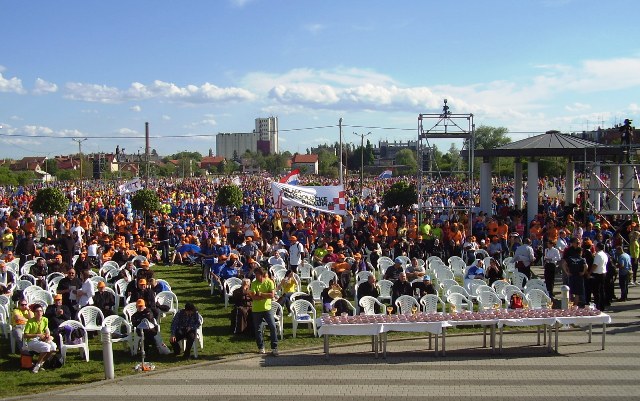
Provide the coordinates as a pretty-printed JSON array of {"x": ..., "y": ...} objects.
[{"x": 100, "y": 70}]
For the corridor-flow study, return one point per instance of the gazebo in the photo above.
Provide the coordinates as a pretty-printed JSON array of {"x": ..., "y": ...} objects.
[{"x": 555, "y": 144}]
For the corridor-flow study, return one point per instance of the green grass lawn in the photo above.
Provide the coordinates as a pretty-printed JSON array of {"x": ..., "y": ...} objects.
[{"x": 188, "y": 285}]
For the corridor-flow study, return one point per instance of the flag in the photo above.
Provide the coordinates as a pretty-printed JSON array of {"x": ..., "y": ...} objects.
[
  {"x": 329, "y": 199},
  {"x": 291, "y": 178},
  {"x": 130, "y": 186},
  {"x": 385, "y": 174}
]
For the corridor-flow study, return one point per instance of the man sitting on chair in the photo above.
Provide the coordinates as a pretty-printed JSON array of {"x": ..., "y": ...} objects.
[{"x": 185, "y": 326}]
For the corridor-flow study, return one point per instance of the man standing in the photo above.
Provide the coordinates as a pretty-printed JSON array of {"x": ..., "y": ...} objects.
[
  {"x": 163, "y": 239},
  {"x": 624, "y": 268},
  {"x": 551, "y": 258},
  {"x": 296, "y": 253},
  {"x": 597, "y": 272},
  {"x": 262, "y": 292},
  {"x": 185, "y": 326},
  {"x": 575, "y": 268},
  {"x": 524, "y": 258}
]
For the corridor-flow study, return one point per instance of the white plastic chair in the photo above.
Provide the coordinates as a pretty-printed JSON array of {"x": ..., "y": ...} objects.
[
  {"x": 27, "y": 291},
  {"x": 404, "y": 303},
  {"x": 315, "y": 289},
  {"x": 129, "y": 310},
  {"x": 29, "y": 277},
  {"x": 368, "y": 303},
  {"x": 488, "y": 300},
  {"x": 276, "y": 261},
  {"x": 6, "y": 302},
  {"x": 445, "y": 285},
  {"x": 471, "y": 284},
  {"x": 226, "y": 288},
  {"x": 537, "y": 299},
  {"x": 26, "y": 267},
  {"x": 95, "y": 280},
  {"x": 518, "y": 279},
  {"x": 318, "y": 270},
  {"x": 40, "y": 296},
  {"x": 384, "y": 288},
  {"x": 430, "y": 303},
  {"x": 536, "y": 283},
  {"x": 434, "y": 260},
  {"x": 351, "y": 308},
  {"x": 83, "y": 346},
  {"x": 405, "y": 260},
  {"x": 306, "y": 272},
  {"x": 116, "y": 324},
  {"x": 509, "y": 292},
  {"x": 5, "y": 325},
  {"x": 167, "y": 298},
  {"x": 457, "y": 266},
  {"x": 89, "y": 316},
  {"x": 459, "y": 302},
  {"x": 498, "y": 286},
  {"x": 363, "y": 276},
  {"x": 327, "y": 276},
  {"x": 115, "y": 296},
  {"x": 278, "y": 316},
  {"x": 457, "y": 289},
  {"x": 303, "y": 312},
  {"x": 199, "y": 338},
  {"x": 165, "y": 282}
]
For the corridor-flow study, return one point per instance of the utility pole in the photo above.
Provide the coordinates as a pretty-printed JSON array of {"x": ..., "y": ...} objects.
[
  {"x": 362, "y": 159},
  {"x": 146, "y": 154},
  {"x": 340, "y": 163},
  {"x": 80, "y": 140}
]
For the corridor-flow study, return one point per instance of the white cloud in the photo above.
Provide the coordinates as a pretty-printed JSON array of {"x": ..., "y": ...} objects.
[
  {"x": 577, "y": 107},
  {"x": 136, "y": 108},
  {"x": 166, "y": 117},
  {"x": 207, "y": 122},
  {"x": 240, "y": 3},
  {"x": 15, "y": 118},
  {"x": 12, "y": 85},
  {"x": 126, "y": 132},
  {"x": 206, "y": 93},
  {"x": 314, "y": 28},
  {"x": 35, "y": 130},
  {"x": 42, "y": 87},
  {"x": 634, "y": 108}
]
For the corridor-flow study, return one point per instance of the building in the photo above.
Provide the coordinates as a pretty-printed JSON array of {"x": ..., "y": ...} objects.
[
  {"x": 264, "y": 138},
  {"x": 307, "y": 164},
  {"x": 212, "y": 162}
]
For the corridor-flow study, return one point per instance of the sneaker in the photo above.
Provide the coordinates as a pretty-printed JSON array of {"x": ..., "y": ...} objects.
[
  {"x": 262, "y": 351},
  {"x": 36, "y": 368},
  {"x": 632, "y": 284},
  {"x": 275, "y": 352}
]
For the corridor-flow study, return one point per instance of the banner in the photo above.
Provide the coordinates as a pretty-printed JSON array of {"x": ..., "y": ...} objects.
[
  {"x": 385, "y": 174},
  {"x": 330, "y": 199},
  {"x": 292, "y": 178},
  {"x": 130, "y": 186}
]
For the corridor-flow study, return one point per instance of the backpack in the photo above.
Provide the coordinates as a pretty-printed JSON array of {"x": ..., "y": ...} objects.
[{"x": 515, "y": 302}]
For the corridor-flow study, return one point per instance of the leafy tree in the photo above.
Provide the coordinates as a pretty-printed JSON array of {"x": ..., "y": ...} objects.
[
  {"x": 145, "y": 200},
  {"x": 229, "y": 195},
  {"x": 491, "y": 138},
  {"x": 7, "y": 177},
  {"x": 327, "y": 163},
  {"x": 405, "y": 157},
  {"x": 51, "y": 166},
  {"x": 400, "y": 194},
  {"x": 49, "y": 201}
]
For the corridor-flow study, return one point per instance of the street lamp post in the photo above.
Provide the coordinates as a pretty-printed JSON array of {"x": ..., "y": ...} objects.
[
  {"x": 362, "y": 159},
  {"x": 79, "y": 141}
]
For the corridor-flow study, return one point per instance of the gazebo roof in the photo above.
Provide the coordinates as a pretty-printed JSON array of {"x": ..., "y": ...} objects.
[{"x": 551, "y": 144}]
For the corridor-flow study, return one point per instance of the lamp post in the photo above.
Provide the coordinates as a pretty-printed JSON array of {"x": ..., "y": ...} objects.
[
  {"x": 80, "y": 140},
  {"x": 362, "y": 159},
  {"x": 340, "y": 162}
]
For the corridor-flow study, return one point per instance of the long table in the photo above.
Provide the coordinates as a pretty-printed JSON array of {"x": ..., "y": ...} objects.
[{"x": 379, "y": 330}]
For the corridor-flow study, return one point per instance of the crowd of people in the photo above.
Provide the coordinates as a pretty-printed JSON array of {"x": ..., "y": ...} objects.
[{"x": 191, "y": 228}]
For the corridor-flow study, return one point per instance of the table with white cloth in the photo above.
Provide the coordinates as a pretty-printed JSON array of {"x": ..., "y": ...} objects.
[
  {"x": 547, "y": 322},
  {"x": 360, "y": 329},
  {"x": 435, "y": 327},
  {"x": 602, "y": 319}
]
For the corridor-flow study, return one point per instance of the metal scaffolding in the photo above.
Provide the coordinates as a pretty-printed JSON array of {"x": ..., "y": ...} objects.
[{"x": 445, "y": 125}]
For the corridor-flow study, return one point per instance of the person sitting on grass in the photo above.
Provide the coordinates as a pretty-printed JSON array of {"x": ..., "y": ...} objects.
[{"x": 36, "y": 331}]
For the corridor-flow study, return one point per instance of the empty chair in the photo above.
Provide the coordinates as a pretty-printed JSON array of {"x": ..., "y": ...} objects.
[
  {"x": 446, "y": 284},
  {"x": 129, "y": 310},
  {"x": 83, "y": 342},
  {"x": 481, "y": 288},
  {"x": 303, "y": 312},
  {"x": 5, "y": 326},
  {"x": 368, "y": 305},
  {"x": 318, "y": 270},
  {"x": 91, "y": 318},
  {"x": 40, "y": 296},
  {"x": 498, "y": 286},
  {"x": 327, "y": 276},
  {"x": 434, "y": 260},
  {"x": 471, "y": 284},
  {"x": 384, "y": 287},
  {"x": 518, "y": 279},
  {"x": 430, "y": 303},
  {"x": 297, "y": 294},
  {"x": 226, "y": 288},
  {"x": 306, "y": 272},
  {"x": 28, "y": 290},
  {"x": 120, "y": 331},
  {"x": 538, "y": 299},
  {"x": 276, "y": 261},
  {"x": 29, "y": 277},
  {"x": 363, "y": 276},
  {"x": 458, "y": 302},
  {"x": 457, "y": 289},
  {"x": 536, "y": 283},
  {"x": 278, "y": 316},
  {"x": 444, "y": 274},
  {"x": 488, "y": 300},
  {"x": 405, "y": 303},
  {"x": 315, "y": 289}
]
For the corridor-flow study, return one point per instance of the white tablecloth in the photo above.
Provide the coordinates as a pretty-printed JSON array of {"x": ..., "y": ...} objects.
[
  {"x": 416, "y": 327},
  {"x": 366, "y": 329},
  {"x": 603, "y": 318},
  {"x": 537, "y": 321}
]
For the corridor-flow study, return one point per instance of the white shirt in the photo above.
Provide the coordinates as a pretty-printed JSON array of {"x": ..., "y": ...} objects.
[
  {"x": 89, "y": 292},
  {"x": 295, "y": 254},
  {"x": 600, "y": 260},
  {"x": 552, "y": 255}
]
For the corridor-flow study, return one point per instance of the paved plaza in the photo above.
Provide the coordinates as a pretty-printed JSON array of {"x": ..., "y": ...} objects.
[{"x": 580, "y": 370}]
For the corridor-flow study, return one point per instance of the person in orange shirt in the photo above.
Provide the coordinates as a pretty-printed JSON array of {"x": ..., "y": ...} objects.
[
  {"x": 392, "y": 228},
  {"x": 503, "y": 234},
  {"x": 343, "y": 269}
]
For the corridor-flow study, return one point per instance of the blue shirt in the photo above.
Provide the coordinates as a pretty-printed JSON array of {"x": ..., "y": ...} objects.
[{"x": 624, "y": 261}]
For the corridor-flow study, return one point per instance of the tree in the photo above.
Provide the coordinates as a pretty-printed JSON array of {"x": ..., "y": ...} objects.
[
  {"x": 491, "y": 137},
  {"x": 400, "y": 194},
  {"x": 327, "y": 164},
  {"x": 145, "y": 200},
  {"x": 405, "y": 157},
  {"x": 49, "y": 201},
  {"x": 229, "y": 195}
]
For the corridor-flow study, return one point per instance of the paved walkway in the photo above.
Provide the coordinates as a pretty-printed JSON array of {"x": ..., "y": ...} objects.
[{"x": 579, "y": 371}]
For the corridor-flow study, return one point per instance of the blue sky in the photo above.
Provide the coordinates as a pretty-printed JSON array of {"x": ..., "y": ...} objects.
[{"x": 76, "y": 69}]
